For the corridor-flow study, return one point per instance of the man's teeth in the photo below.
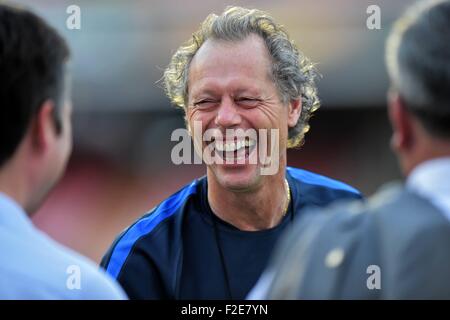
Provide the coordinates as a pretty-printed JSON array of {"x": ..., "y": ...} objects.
[{"x": 233, "y": 146}]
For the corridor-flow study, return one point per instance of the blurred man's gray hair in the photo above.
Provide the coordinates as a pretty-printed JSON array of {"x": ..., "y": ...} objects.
[
  {"x": 418, "y": 60},
  {"x": 293, "y": 74}
]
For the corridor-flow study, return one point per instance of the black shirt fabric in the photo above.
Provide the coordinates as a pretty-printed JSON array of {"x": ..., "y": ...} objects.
[{"x": 174, "y": 251}]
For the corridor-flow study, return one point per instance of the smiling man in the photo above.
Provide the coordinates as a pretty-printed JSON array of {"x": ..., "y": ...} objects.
[{"x": 248, "y": 94}]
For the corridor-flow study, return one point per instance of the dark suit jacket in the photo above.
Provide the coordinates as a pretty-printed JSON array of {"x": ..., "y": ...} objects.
[{"x": 394, "y": 246}]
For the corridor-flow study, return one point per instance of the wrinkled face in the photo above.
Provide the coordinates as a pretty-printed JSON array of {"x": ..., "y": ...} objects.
[{"x": 230, "y": 88}]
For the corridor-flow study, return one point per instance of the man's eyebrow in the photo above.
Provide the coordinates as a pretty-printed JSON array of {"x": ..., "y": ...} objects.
[
  {"x": 209, "y": 90},
  {"x": 248, "y": 91},
  {"x": 204, "y": 91}
]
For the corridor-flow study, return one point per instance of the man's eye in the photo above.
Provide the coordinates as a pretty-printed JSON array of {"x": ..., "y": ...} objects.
[
  {"x": 249, "y": 102},
  {"x": 204, "y": 103}
]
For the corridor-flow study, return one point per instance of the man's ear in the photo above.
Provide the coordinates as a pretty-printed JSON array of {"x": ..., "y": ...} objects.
[
  {"x": 295, "y": 110},
  {"x": 43, "y": 127},
  {"x": 401, "y": 121}
]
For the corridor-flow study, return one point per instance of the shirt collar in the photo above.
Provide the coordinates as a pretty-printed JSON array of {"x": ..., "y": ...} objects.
[
  {"x": 431, "y": 176},
  {"x": 12, "y": 214}
]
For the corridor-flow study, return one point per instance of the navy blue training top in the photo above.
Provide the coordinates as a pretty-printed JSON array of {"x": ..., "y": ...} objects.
[{"x": 173, "y": 253}]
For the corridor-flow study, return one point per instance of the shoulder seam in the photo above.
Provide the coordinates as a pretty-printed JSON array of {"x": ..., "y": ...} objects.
[
  {"x": 153, "y": 223},
  {"x": 334, "y": 184},
  {"x": 122, "y": 234}
]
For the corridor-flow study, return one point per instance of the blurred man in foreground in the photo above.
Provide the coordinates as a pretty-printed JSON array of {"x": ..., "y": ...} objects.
[
  {"x": 241, "y": 82},
  {"x": 35, "y": 143},
  {"x": 397, "y": 245}
]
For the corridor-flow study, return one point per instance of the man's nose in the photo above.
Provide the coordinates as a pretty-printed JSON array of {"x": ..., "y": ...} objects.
[{"x": 227, "y": 114}]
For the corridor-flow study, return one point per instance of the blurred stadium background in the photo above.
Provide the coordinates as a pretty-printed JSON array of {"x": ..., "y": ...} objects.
[{"x": 121, "y": 166}]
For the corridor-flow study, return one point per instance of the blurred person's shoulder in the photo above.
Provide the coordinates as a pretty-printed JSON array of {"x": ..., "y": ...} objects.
[
  {"x": 38, "y": 267},
  {"x": 335, "y": 250}
]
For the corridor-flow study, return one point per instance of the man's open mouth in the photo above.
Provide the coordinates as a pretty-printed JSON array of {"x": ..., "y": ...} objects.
[{"x": 236, "y": 151}]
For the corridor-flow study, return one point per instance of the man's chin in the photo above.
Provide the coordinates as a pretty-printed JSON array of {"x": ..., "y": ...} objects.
[{"x": 236, "y": 177}]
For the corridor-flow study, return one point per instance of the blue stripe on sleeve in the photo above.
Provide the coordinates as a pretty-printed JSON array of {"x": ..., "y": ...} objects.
[
  {"x": 317, "y": 179},
  {"x": 144, "y": 226}
]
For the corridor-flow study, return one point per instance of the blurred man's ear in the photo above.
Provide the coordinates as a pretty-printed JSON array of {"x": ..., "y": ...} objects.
[
  {"x": 295, "y": 110},
  {"x": 43, "y": 129},
  {"x": 402, "y": 124}
]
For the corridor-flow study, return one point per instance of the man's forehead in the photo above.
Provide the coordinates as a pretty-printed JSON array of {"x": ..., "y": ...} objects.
[
  {"x": 219, "y": 58},
  {"x": 213, "y": 86},
  {"x": 250, "y": 48}
]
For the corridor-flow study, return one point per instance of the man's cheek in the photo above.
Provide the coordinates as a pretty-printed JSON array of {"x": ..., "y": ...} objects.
[{"x": 196, "y": 132}]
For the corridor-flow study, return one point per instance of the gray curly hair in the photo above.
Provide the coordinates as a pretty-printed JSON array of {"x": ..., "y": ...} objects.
[{"x": 293, "y": 73}]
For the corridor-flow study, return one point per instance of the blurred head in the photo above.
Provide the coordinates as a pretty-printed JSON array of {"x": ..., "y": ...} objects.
[
  {"x": 418, "y": 61},
  {"x": 35, "y": 128},
  {"x": 240, "y": 70}
]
